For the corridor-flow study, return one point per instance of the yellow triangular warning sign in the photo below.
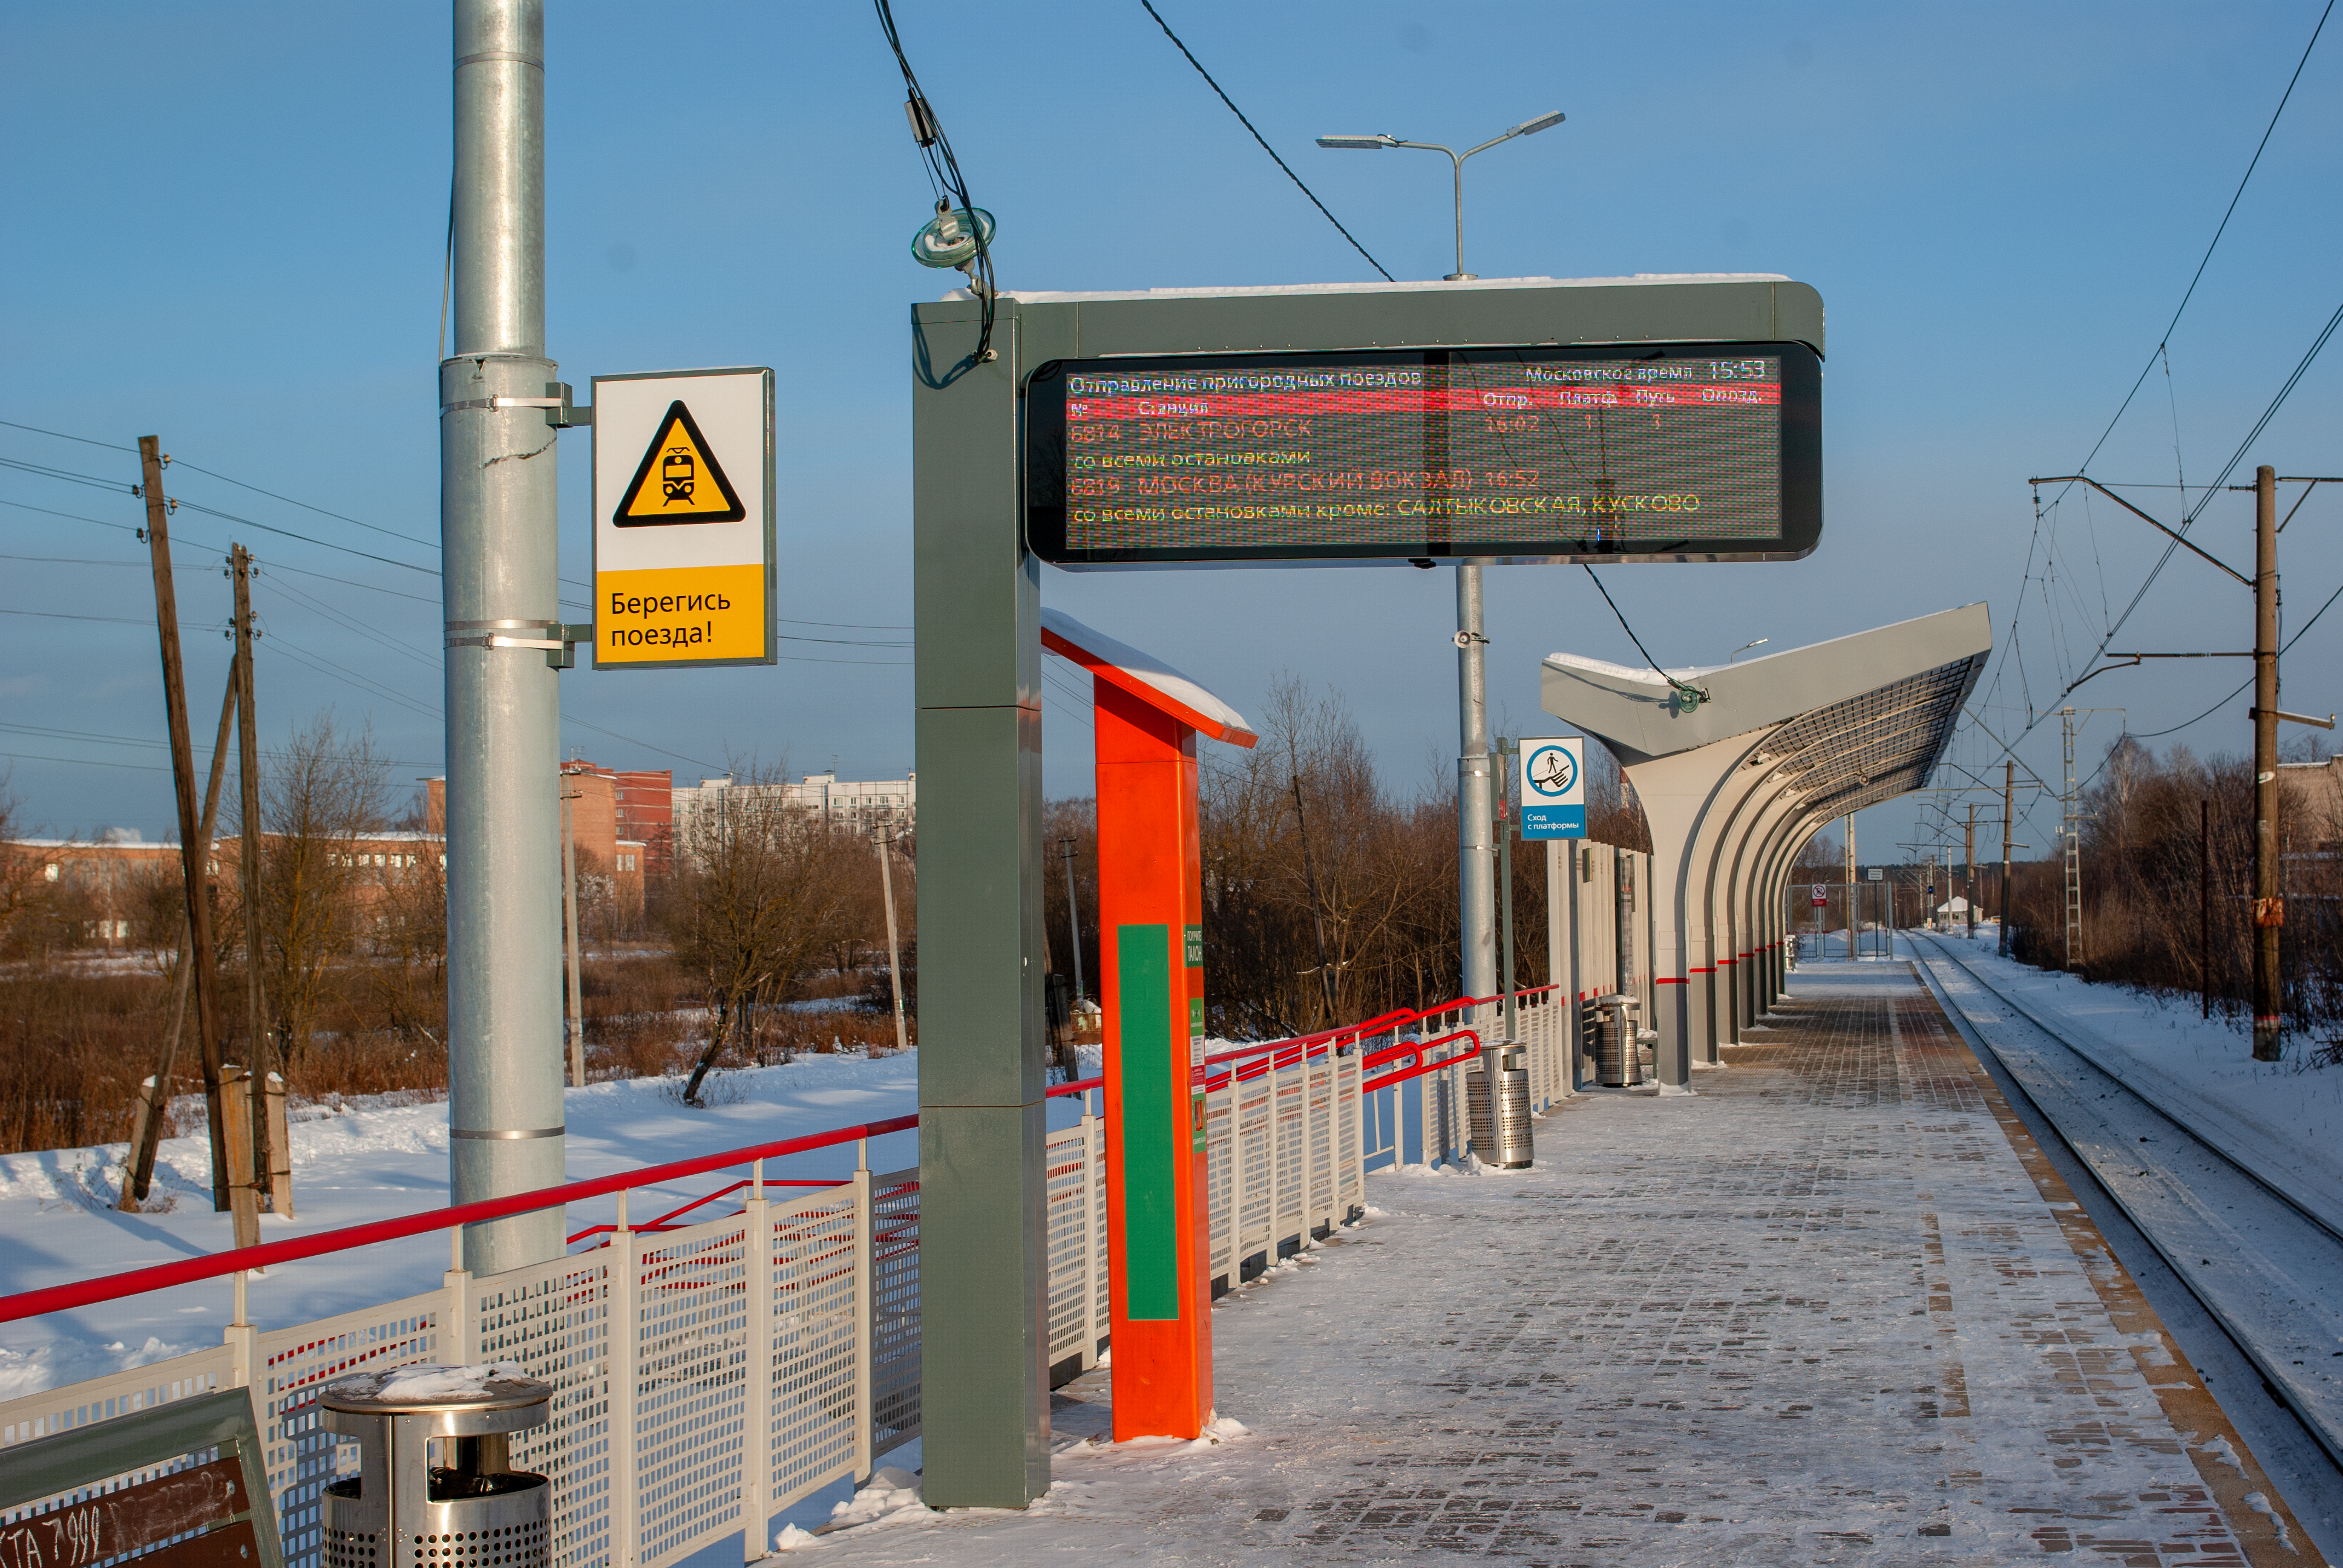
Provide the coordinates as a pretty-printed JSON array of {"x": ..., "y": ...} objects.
[{"x": 679, "y": 480}]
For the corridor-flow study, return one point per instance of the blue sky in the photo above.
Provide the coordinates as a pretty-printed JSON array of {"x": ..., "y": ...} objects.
[{"x": 228, "y": 222}]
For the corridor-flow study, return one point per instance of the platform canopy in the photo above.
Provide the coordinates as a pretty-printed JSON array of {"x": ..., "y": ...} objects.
[{"x": 1737, "y": 765}]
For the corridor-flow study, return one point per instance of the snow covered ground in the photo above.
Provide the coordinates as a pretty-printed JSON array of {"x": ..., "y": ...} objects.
[
  {"x": 373, "y": 1162},
  {"x": 1821, "y": 1311},
  {"x": 2287, "y": 1114}
]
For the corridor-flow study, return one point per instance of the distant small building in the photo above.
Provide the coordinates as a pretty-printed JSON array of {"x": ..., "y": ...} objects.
[{"x": 858, "y": 804}]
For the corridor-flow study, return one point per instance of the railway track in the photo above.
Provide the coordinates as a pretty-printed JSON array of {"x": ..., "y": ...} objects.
[{"x": 2266, "y": 1266}]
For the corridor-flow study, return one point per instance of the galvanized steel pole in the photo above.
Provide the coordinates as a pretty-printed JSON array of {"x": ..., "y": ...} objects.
[
  {"x": 504, "y": 707},
  {"x": 1476, "y": 899}
]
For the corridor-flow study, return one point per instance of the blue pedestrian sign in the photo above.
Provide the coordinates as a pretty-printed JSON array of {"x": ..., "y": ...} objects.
[{"x": 1554, "y": 789}]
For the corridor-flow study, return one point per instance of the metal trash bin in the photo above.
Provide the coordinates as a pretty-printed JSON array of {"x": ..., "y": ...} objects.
[
  {"x": 1618, "y": 1061},
  {"x": 435, "y": 1486},
  {"x": 1500, "y": 1120}
]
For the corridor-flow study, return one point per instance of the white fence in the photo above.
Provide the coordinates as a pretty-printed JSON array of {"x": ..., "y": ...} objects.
[{"x": 710, "y": 1375}]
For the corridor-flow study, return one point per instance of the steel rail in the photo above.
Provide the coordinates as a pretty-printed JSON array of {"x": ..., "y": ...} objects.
[
  {"x": 2242, "y": 1160},
  {"x": 2287, "y": 1381}
]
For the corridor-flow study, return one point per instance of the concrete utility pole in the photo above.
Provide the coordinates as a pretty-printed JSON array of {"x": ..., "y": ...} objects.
[
  {"x": 2071, "y": 857},
  {"x": 1854, "y": 890},
  {"x": 503, "y": 704},
  {"x": 894, "y": 944},
  {"x": 2270, "y": 909},
  {"x": 1968, "y": 870},
  {"x": 248, "y": 771},
  {"x": 1475, "y": 868},
  {"x": 575, "y": 944},
  {"x": 1073, "y": 917},
  {"x": 2008, "y": 828},
  {"x": 2205, "y": 906}
]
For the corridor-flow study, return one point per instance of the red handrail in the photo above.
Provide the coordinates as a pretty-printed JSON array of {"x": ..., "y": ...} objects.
[
  {"x": 187, "y": 1271},
  {"x": 1416, "y": 1048},
  {"x": 237, "y": 1260}
]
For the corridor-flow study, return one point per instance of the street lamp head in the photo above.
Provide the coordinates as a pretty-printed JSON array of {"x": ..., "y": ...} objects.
[
  {"x": 1544, "y": 122},
  {"x": 1357, "y": 143}
]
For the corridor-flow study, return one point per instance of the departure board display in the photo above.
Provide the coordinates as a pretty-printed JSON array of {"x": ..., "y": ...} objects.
[{"x": 1702, "y": 451}]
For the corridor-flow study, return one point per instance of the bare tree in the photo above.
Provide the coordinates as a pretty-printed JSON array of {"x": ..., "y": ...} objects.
[
  {"x": 23, "y": 877},
  {"x": 326, "y": 789},
  {"x": 761, "y": 889},
  {"x": 409, "y": 974}
]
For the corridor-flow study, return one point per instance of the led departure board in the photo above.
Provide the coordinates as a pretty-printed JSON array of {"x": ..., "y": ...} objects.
[{"x": 1704, "y": 451}]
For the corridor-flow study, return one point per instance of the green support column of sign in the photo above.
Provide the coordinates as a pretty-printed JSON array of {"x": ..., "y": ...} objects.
[{"x": 984, "y": 1257}]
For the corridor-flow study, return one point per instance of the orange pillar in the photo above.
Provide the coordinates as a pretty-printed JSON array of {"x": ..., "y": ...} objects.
[{"x": 1151, "y": 953}]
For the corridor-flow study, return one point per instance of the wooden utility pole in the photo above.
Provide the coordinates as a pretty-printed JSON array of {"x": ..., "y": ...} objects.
[
  {"x": 248, "y": 779},
  {"x": 2205, "y": 903},
  {"x": 2008, "y": 826},
  {"x": 195, "y": 847},
  {"x": 149, "y": 1131},
  {"x": 2270, "y": 909}
]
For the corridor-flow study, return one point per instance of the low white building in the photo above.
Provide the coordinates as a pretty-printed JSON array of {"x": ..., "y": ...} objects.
[{"x": 860, "y": 804}]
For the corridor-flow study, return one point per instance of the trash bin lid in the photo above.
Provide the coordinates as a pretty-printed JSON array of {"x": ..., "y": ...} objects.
[{"x": 429, "y": 1386}]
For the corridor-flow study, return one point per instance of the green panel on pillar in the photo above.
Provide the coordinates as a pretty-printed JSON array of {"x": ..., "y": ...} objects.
[{"x": 1149, "y": 1217}]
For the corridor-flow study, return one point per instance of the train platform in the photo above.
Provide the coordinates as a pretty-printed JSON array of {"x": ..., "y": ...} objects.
[{"x": 1838, "y": 1308}]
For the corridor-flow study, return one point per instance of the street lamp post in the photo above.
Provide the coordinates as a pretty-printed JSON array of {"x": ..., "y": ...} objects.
[
  {"x": 1475, "y": 859},
  {"x": 1456, "y": 159}
]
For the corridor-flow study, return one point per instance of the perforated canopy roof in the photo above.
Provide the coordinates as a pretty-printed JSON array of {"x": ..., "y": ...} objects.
[{"x": 1846, "y": 723}]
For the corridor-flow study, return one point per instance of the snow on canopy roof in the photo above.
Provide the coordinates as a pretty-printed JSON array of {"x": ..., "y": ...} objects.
[
  {"x": 1058, "y": 297},
  {"x": 1144, "y": 676}
]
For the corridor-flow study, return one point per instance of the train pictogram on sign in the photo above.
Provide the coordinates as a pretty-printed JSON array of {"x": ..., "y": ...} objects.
[{"x": 679, "y": 479}]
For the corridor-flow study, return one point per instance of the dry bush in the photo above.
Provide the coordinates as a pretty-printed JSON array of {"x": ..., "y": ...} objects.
[
  {"x": 2143, "y": 837},
  {"x": 1329, "y": 896},
  {"x": 72, "y": 1047}
]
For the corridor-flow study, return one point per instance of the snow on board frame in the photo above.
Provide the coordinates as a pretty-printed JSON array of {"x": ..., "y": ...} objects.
[
  {"x": 1146, "y": 677},
  {"x": 684, "y": 519}
]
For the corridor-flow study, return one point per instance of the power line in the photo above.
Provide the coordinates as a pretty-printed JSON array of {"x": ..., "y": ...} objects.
[
  {"x": 60, "y": 436},
  {"x": 1248, "y": 125},
  {"x": 2227, "y": 212},
  {"x": 2162, "y": 341},
  {"x": 53, "y": 615},
  {"x": 950, "y": 186},
  {"x": 321, "y": 511},
  {"x": 84, "y": 762},
  {"x": 89, "y": 561},
  {"x": 1638, "y": 641},
  {"x": 598, "y": 729}
]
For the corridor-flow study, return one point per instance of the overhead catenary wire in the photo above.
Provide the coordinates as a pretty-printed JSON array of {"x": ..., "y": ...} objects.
[
  {"x": 2214, "y": 243},
  {"x": 2008, "y": 652},
  {"x": 1257, "y": 136},
  {"x": 1679, "y": 685},
  {"x": 946, "y": 180}
]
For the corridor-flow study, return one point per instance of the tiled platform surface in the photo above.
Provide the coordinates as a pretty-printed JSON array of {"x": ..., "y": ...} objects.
[{"x": 1835, "y": 1309}]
